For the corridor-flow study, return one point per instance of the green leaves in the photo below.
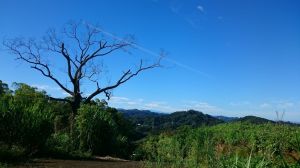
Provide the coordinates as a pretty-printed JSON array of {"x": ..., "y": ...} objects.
[
  {"x": 225, "y": 145},
  {"x": 101, "y": 130},
  {"x": 25, "y": 118}
]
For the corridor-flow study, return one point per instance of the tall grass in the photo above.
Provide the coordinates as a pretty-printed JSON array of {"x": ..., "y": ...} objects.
[{"x": 235, "y": 145}]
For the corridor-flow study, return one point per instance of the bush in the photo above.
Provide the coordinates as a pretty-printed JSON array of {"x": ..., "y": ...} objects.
[
  {"x": 11, "y": 152},
  {"x": 102, "y": 130},
  {"x": 25, "y": 119},
  {"x": 31, "y": 124}
]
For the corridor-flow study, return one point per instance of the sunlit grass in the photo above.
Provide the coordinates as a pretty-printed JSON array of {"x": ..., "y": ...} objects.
[{"x": 237, "y": 145}]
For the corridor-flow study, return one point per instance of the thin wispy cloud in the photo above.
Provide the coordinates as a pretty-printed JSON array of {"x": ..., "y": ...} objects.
[
  {"x": 287, "y": 109},
  {"x": 128, "y": 103},
  {"x": 265, "y": 105},
  {"x": 279, "y": 105},
  {"x": 175, "y": 6},
  {"x": 125, "y": 101},
  {"x": 266, "y": 109},
  {"x": 283, "y": 104},
  {"x": 46, "y": 87},
  {"x": 200, "y": 8},
  {"x": 160, "y": 106},
  {"x": 163, "y": 106},
  {"x": 190, "y": 13},
  {"x": 202, "y": 106},
  {"x": 51, "y": 90},
  {"x": 154, "y": 54}
]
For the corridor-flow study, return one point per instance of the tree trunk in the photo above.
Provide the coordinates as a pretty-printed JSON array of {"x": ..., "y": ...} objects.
[{"x": 75, "y": 106}]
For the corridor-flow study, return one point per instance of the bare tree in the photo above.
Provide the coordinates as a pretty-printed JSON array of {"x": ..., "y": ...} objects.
[{"x": 87, "y": 45}]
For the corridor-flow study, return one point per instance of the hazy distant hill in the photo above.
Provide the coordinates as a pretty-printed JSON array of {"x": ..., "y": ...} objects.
[
  {"x": 226, "y": 119},
  {"x": 147, "y": 121},
  {"x": 259, "y": 120},
  {"x": 190, "y": 117},
  {"x": 139, "y": 113},
  {"x": 249, "y": 119},
  {"x": 254, "y": 120}
]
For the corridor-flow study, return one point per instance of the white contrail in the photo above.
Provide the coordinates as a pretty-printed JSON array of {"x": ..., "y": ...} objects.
[{"x": 145, "y": 50}]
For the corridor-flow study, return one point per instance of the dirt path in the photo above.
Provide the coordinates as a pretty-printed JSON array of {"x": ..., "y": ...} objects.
[{"x": 45, "y": 163}]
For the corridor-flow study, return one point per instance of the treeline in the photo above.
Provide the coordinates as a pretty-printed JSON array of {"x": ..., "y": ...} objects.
[
  {"x": 31, "y": 124},
  {"x": 147, "y": 122}
]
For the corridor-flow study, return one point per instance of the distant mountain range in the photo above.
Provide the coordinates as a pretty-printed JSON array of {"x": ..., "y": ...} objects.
[
  {"x": 249, "y": 119},
  {"x": 148, "y": 120},
  {"x": 139, "y": 113},
  {"x": 226, "y": 119},
  {"x": 171, "y": 120}
]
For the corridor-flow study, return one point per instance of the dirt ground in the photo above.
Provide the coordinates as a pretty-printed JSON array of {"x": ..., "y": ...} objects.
[{"x": 45, "y": 163}]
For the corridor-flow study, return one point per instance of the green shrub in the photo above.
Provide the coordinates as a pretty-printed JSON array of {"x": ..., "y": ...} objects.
[
  {"x": 102, "y": 130},
  {"x": 29, "y": 120},
  {"x": 59, "y": 145},
  {"x": 25, "y": 118},
  {"x": 11, "y": 152}
]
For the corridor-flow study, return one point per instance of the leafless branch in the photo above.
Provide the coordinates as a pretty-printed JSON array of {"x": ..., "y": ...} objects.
[
  {"x": 88, "y": 45},
  {"x": 124, "y": 78}
]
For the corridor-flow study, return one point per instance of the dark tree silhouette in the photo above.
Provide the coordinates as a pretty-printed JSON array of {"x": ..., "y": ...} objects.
[
  {"x": 89, "y": 44},
  {"x": 3, "y": 88}
]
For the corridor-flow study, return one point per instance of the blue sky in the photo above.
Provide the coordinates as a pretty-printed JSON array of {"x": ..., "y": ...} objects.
[{"x": 230, "y": 57}]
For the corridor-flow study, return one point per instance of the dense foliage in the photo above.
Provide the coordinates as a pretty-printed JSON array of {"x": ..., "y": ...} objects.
[
  {"x": 225, "y": 145},
  {"x": 102, "y": 130},
  {"x": 33, "y": 125},
  {"x": 25, "y": 119}
]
